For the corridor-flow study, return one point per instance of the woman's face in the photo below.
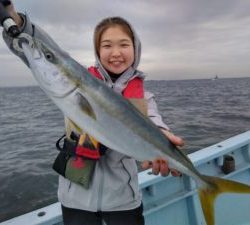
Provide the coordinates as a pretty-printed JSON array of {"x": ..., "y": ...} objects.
[{"x": 116, "y": 50}]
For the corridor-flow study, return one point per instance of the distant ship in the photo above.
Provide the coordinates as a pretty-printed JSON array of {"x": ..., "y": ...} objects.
[{"x": 215, "y": 78}]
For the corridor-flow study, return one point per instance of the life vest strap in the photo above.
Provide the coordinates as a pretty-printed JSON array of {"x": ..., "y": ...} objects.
[
  {"x": 88, "y": 153},
  {"x": 84, "y": 146}
]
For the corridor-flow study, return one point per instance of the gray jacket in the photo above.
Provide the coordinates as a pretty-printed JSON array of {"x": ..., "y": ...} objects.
[{"x": 114, "y": 185}]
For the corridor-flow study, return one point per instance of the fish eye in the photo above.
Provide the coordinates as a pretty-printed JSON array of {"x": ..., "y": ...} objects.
[{"x": 49, "y": 56}]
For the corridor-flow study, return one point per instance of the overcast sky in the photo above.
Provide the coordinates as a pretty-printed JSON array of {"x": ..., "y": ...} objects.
[{"x": 181, "y": 39}]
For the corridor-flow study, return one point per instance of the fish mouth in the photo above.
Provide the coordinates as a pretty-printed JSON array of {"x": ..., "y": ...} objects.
[{"x": 33, "y": 53}]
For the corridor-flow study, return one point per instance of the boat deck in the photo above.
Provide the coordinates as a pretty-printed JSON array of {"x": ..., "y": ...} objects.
[{"x": 174, "y": 201}]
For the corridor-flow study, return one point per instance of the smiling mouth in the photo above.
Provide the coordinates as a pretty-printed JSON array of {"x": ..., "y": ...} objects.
[{"x": 116, "y": 63}]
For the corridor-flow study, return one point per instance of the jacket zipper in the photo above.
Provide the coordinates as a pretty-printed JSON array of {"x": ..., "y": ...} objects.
[
  {"x": 69, "y": 185},
  {"x": 130, "y": 178}
]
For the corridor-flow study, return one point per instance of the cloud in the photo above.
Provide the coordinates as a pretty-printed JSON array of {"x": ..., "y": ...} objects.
[{"x": 187, "y": 38}]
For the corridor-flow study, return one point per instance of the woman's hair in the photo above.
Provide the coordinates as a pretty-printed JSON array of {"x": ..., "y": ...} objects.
[{"x": 107, "y": 23}]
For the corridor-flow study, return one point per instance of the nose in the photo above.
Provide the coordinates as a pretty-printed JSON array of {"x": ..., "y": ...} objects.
[{"x": 115, "y": 52}]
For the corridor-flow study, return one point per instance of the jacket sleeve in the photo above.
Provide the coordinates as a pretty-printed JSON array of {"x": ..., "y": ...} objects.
[
  {"x": 31, "y": 30},
  {"x": 153, "y": 113}
]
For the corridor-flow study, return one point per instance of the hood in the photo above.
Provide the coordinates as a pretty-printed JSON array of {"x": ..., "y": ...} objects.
[{"x": 130, "y": 72}]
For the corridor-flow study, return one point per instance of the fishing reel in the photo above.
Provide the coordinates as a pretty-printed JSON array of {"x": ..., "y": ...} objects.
[{"x": 6, "y": 21}]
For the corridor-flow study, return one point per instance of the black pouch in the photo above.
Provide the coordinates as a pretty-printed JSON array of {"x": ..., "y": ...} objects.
[
  {"x": 62, "y": 158},
  {"x": 78, "y": 169},
  {"x": 60, "y": 163}
]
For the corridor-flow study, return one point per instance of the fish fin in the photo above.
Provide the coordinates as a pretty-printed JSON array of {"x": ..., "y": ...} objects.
[
  {"x": 140, "y": 104},
  {"x": 214, "y": 187},
  {"x": 85, "y": 105}
]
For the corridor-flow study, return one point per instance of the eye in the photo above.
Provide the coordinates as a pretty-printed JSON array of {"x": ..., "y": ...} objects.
[
  {"x": 106, "y": 46},
  {"x": 49, "y": 56},
  {"x": 125, "y": 45}
]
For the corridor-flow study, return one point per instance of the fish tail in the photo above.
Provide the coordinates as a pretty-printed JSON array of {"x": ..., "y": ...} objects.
[{"x": 214, "y": 187}]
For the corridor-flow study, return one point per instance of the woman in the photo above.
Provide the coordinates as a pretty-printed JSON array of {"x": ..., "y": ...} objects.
[{"x": 112, "y": 194}]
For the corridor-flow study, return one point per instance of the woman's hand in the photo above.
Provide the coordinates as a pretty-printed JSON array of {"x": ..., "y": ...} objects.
[
  {"x": 14, "y": 15},
  {"x": 160, "y": 165}
]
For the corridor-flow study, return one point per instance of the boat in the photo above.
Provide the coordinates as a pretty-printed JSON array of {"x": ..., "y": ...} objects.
[
  {"x": 174, "y": 201},
  {"x": 215, "y": 78}
]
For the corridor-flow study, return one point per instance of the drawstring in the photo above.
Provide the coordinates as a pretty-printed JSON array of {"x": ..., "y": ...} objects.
[{"x": 58, "y": 143}]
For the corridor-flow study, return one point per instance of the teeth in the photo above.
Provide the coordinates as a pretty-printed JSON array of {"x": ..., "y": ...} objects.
[{"x": 116, "y": 63}]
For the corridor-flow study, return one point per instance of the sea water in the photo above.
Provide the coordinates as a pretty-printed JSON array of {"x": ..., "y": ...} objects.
[{"x": 202, "y": 112}]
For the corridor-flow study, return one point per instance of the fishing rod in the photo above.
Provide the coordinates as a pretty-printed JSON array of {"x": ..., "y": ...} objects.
[{"x": 6, "y": 21}]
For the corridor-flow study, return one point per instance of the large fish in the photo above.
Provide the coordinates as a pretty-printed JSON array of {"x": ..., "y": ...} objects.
[{"x": 114, "y": 121}]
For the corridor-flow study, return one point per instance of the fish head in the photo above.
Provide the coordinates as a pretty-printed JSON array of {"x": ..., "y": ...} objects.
[{"x": 51, "y": 68}]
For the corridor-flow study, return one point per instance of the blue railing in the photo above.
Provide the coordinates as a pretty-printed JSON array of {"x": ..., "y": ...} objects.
[{"x": 174, "y": 201}]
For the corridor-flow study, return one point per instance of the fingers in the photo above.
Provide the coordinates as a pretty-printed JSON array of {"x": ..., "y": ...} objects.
[
  {"x": 10, "y": 7},
  {"x": 146, "y": 165},
  {"x": 174, "y": 139},
  {"x": 175, "y": 173},
  {"x": 160, "y": 166}
]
